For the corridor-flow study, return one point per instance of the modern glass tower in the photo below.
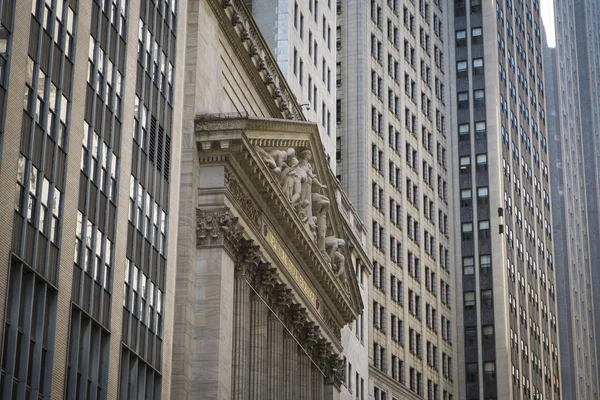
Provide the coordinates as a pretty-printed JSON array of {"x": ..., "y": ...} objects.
[
  {"x": 506, "y": 285},
  {"x": 89, "y": 165}
]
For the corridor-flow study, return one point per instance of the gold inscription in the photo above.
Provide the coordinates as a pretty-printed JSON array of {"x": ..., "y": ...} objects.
[{"x": 285, "y": 260}]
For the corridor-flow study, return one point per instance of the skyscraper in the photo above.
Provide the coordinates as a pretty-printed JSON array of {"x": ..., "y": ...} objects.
[
  {"x": 571, "y": 106},
  {"x": 89, "y": 168},
  {"x": 393, "y": 160},
  {"x": 506, "y": 293},
  {"x": 587, "y": 17}
]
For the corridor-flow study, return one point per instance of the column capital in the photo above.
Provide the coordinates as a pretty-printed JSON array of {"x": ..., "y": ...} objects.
[{"x": 217, "y": 227}]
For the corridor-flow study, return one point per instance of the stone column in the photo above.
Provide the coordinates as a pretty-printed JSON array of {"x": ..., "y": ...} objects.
[
  {"x": 317, "y": 383},
  {"x": 248, "y": 259},
  {"x": 290, "y": 360},
  {"x": 306, "y": 386},
  {"x": 275, "y": 356},
  {"x": 258, "y": 348},
  {"x": 241, "y": 337}
]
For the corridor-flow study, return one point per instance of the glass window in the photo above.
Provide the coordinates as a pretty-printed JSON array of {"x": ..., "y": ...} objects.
[
  {"x": 468, "y": 266},
  {"x": 471, "y": 336},
  {"x": 486, "y": 298},
  {"x": 478, "y": 66},
  {"x": 461, "y": 38},
  {"x": 477, "y": 35},
  {"x": 467, "y": 231},
  {"x": 463, "y": 132},
  {"x": 465, "y": 197},
  {"x": 481, "y": 162},
  {"x": 484, "y": 229},
  {"x": 489, "y": 371},
  {"x": 485, "y": 261},
  {"x": 480, "y": 130},
  {"x": 487, "y": 332},
  {"x": 465, "y": 164},
  {"x": 482, "y": 195},
  {"x": 461, "y": 69},
  {"x": 479, "y": 98},
  {"x": 463, "y": 100}
]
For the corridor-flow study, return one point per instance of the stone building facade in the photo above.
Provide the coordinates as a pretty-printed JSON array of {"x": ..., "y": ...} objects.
[
  {"x": 393, "y": 159},
  {"x": 267, "y": 257}
]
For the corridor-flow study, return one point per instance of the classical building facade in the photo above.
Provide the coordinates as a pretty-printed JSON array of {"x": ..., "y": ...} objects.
[
  {"x": 393, "y": 160},
  {"x": 299, "y": 34},
  {"x": 89, "y": 170},
  {"x": 269, "y": 247},
  {"x": 571, "y": 107},
  {"x": 506, "y": 291}
]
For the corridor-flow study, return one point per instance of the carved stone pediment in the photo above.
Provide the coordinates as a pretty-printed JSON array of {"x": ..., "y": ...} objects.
[{"x": 282, "y": 166}]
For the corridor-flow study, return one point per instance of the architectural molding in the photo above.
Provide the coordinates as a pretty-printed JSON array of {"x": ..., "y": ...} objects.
[
  {"x": 242, "y": 197},
  {"x": 252, "y": 50}
]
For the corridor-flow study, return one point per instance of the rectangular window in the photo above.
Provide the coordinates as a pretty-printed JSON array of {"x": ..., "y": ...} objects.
[
  {"x": 469, "y": 300},
  {"x": 468, "y": 266},
  {"x": 461, "y": 69}
]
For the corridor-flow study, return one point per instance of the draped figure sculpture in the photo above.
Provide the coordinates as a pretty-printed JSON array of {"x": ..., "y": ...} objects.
[{"x": 301, "y": 187}]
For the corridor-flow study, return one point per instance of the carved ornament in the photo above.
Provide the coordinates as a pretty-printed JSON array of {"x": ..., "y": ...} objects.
[{"x": 217, "y": 227}]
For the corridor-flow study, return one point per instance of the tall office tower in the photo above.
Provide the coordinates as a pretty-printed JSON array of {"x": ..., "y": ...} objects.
[
  {"x": 506, "y": 296},
  {"x": 392, "y": 160},
  {"x": 567, "y": 115},
  {"x": 587, "y": 15},
  {"x": 89, "y": 166},
  {"x": 299, "y": 34}
]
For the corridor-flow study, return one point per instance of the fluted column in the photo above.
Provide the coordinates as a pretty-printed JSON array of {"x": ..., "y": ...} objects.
[
  {"x": 306, "y": 377},
  {"x": 248, "y": 259},
  {"x": 275, "y": 355},
  {"x": 241, "y": 338},
  {"x": 317, "y": 383},
  {"x": 290, "y": 360},
  {"x": 258, "y": 348}
]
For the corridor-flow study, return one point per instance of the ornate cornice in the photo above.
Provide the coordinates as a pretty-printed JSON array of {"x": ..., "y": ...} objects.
[{"x": 245, "y": 36}]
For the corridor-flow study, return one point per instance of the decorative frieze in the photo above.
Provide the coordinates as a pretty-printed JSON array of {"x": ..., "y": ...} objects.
[{"x": 239, "y": 194}]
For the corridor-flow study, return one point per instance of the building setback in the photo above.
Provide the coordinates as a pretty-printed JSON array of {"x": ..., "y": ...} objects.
[
  {"x": 393, "y": 157},
  {"x": 506, "y": 293},
  {"x": 89, "y": 167},
  {"x": 568, "y": 68}
]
